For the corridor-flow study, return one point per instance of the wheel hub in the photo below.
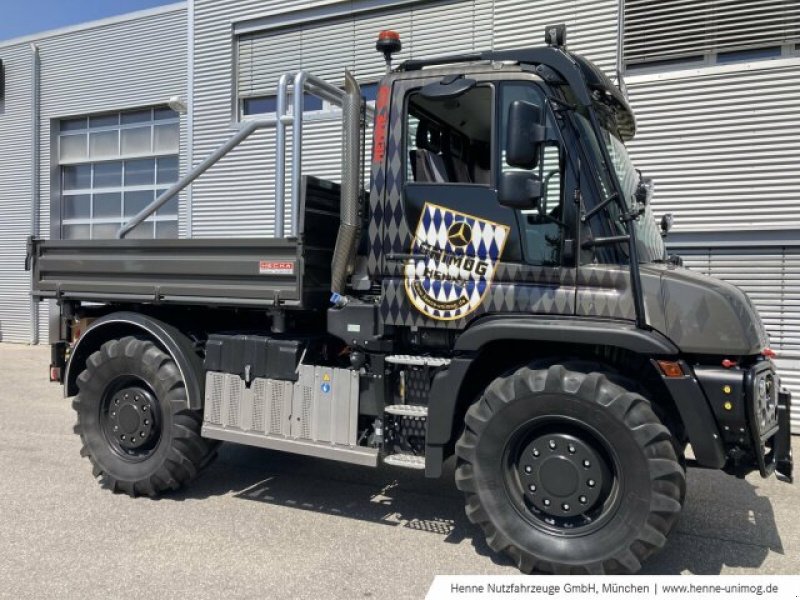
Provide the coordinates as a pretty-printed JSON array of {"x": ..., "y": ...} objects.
[
  {"x": 130, "y": 419},
  {"x": 561, "y": 475}
]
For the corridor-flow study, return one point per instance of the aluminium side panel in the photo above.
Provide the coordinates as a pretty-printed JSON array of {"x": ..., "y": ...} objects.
[{"x": 15, "y": 194}]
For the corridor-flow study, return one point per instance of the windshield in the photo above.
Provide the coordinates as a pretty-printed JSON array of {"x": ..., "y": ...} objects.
[{"x": 650, "y": 245}]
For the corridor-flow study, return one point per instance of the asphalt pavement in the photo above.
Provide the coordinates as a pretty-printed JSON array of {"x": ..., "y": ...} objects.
[{"x": 260, "y": 524}]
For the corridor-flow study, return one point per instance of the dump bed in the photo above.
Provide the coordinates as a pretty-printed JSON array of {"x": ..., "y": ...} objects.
[{"x": 294, "y": 272}]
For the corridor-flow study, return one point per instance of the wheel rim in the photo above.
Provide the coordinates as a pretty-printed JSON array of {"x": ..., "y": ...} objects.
[
  {"x": 130, "y": 419},
  {"x": 562, "y": 476}
]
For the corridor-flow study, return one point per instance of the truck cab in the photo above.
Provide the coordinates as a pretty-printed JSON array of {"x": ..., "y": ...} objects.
[{"x": 500, "y": 291}]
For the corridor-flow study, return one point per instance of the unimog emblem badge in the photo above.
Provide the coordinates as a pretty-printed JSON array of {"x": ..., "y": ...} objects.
[{"x": 460, "y": 253}]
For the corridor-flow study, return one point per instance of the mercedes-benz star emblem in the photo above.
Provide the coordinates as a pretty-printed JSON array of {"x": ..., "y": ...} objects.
[{"x": 459, "y": 234}]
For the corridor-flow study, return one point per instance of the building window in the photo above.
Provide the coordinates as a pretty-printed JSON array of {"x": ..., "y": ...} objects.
[
  {"x": 112, "y": 166},
  {"x": 264, "y": 105},
  {"x": 674, "y": 34}
]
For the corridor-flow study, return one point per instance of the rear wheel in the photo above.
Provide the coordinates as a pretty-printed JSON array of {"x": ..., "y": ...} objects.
[
  {"x": 133, "y": 419},
  {"x": 567, "y": 472}
]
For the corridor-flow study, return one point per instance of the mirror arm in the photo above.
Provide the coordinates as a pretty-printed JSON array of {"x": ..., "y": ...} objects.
[
  {"x": 598, "y": 208},
  {"x": 605, "y": 241}
]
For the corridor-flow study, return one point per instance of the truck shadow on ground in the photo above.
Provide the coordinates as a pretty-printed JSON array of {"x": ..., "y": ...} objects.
[{"x": 725, "y": 522}]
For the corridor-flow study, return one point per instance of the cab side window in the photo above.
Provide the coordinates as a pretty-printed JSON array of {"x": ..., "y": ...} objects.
[
  {"x": 449, "y": 140},
  {"x": 542, "y": 228}
]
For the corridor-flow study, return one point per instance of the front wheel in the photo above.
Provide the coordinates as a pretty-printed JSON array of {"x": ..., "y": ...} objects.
[
  {"x": 133, "y": 419},
  {"x": 567, "y": 472}
]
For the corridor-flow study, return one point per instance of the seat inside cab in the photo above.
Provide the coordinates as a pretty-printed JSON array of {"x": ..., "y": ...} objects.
[{"x": 449, "y": 140}]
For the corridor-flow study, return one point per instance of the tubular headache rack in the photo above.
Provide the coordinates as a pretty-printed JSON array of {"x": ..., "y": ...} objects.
[{"x": 295, "y": 84}]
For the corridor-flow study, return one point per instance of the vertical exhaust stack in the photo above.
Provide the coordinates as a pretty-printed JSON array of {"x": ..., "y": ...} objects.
[{"x": 344, "y": 253}]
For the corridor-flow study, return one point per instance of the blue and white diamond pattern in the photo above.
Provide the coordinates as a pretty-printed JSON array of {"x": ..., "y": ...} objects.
[{"x": 464, "y": 272}]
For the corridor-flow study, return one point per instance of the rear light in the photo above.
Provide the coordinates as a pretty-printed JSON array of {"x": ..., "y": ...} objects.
[
  {"x": 769, "y": 353},
  {"x": 55, "y": 374},
  {"x": 670, "y": 368},
  {"x": 728, "y": 363}
]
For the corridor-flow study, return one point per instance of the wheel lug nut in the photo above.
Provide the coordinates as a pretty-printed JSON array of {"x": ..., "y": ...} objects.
[
  {"x": 546, "y": 502},
  {"x": 116, "y": 428},
  {"x": 587, "y": 464},
  {"x": 127, "y": 397},
  {"x": 582, "y": 499},
  {"x": 141, "y": 433},
  {"x": 565, "y": 506},
  {"x": 590, "y": 483},
  {"x": 116, "y": 400},
  {"x": 571, "y": 449},
  {"x": 532, "y": 487},
  {"x": 552, "y": 445},
  {"x": 122, "y": 437},
  {"x": 146, "y": 422},
  {"x": 535, "y": 452},
  {"x": 528, "y": 469}
]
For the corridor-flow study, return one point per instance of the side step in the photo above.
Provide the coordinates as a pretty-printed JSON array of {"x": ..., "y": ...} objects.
[
  {"x": 406, "y": 461},
  {"x": 357, "y": 455},
  {"x": 407, "y": 410},
  {"x": 419, "y": 361}
]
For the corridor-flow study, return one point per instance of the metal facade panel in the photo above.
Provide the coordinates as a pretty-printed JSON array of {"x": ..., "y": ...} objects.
[
  {"x": 721, "y": 144},
  {"x": 687, "y": 28},
  {"x": 109, "y": 66},
  {"x": 592, "y": 26},
  {"x": 15, "y": 195}
]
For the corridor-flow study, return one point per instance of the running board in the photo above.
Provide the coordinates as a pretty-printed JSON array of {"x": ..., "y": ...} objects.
[
  {"x": 406, "y": 461},
  {"x": 418, "y": 361},
  {"x": 407, "y": 410},
  {"x": 356, "y": 455}
]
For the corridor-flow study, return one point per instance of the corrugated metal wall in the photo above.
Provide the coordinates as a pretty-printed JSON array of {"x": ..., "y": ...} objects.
[
  {"x": 236, "y": 198},
  {"x": 139, "y": 61},
  {"x": 15, "y": 195},
  {"x": 721, "y": 144}
]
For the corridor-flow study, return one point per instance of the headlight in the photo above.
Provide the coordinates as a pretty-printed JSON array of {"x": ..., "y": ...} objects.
[{"x": 766, "y": 401}]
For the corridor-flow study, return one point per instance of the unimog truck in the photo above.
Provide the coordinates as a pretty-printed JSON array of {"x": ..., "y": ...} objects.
[{"x": 498, "y": 290}]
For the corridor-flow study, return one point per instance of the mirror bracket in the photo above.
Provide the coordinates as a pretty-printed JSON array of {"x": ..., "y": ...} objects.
[{"x": 520, "y": 190}]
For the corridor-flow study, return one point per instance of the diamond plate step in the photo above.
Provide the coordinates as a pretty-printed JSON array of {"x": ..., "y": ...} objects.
[
  {"x": 419, "y": 361},
  {"x": 406, "y": 461},
  {"x": 407, "y": 410}
]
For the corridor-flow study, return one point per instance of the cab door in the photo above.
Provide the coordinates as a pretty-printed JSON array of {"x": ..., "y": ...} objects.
[{"x": 460, "y": 253}]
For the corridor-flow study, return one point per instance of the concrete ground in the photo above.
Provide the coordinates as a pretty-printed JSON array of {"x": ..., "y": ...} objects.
[{"x": 262, "y": 524}]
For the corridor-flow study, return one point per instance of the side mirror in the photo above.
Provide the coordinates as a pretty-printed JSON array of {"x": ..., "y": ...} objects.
[
  {"x": 525, "y": 134},
  {"x": 520, "y": 190},
  {"x": 666, "y": 224},
  {"x": 644, "y": 191}
]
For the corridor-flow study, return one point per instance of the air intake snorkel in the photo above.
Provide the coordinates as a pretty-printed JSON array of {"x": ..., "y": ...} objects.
[{"x": 344, "y": 252}]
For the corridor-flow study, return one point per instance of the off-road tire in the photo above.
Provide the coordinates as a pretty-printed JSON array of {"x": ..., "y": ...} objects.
[
  {"x": 651, "y": 479},
  {"x": 178, "y": 451}
]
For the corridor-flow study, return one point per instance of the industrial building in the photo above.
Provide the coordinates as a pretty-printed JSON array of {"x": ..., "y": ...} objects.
[{"x": 96, "y": 119}]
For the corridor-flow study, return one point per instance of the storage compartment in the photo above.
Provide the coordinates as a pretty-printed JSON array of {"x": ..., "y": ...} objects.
[{"x": 254, "y": 356}]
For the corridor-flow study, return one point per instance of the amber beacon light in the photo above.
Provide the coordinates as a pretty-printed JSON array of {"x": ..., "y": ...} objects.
[{"x": 388, "y": 43}]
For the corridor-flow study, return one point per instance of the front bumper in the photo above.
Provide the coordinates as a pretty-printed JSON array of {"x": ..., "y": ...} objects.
[{"x": 752, "y": 411}]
